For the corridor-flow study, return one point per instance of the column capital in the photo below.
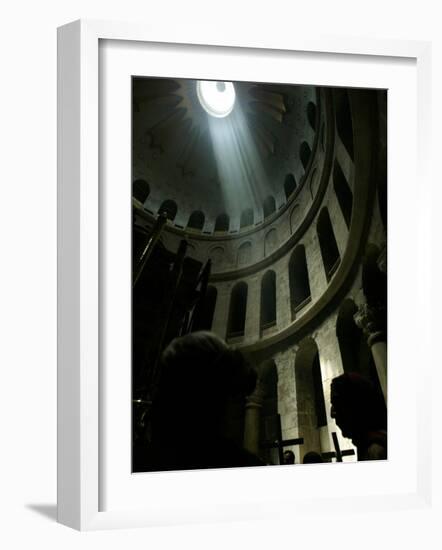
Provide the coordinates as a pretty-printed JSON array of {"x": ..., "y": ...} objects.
[{"x": 369, "y": 320}]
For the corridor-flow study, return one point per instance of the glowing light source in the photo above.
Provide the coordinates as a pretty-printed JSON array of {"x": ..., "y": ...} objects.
[{"x": 217, "y": 98}]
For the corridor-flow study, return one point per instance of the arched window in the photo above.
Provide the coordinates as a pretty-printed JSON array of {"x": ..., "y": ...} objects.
[
  {"x": 237, "y": 310},
  {"x": 311, "y": 114},
  {"x": 343, "y": 193},
  {"x": 327, "y": 243},
  {"x": 343, "y": 120},
  {"x": 170, "y": 207},
  {"x": 289, "y": 185},
  {"x": 298, "y": 280},
  {"x": 268, "y": 300},
  {"x": 304, "y": 154},
  {"x": 310, "y": 404},
  {"x": 204, "y": 318},
  {"x": 222, "y": 223},
  {"x": 246, "y": 217},
  {"x": 140, "y": 190},
  {"x": 268, "y": 206},
  {"x": 196, "y": 220},
  {"x": 244, "y": 253}
]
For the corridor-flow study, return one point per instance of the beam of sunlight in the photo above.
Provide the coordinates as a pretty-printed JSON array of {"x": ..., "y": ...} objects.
[{"x": 240, "y": 169}]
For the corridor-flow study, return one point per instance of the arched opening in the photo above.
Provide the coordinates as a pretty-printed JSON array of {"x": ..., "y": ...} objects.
[
  {"x": 205, "y": 318},
  {"x": 245, "y": 253},
  {"x": 289, "y": 185},
  {"x": 269, "y": 206},
  {"x": 268, "y": 300},
  {"x": 298, "y": 279},
  {"x": 311, "y": 114},
  {"x": 343, "y": 193},
  {"x": 170, "y": 207},
  {"x": 304, "y": 154},
  {"x": 343, "y": 120},
  {"x": 140, "y": 190},
  {"x": 222, "y": 222},
  {"x": 310, "y": 403},
  {"x": 327, "y": 244},
  {"x": 237, "y": 310},
  {"x": 246, "y": 217},
  {"x": 196, "y": 220}
]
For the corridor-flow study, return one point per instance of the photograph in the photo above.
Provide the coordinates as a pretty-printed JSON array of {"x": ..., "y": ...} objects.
[{"x": 259, "y": 274}]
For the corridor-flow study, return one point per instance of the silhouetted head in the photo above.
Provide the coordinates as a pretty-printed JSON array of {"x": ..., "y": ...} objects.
[
  {"x": 356, "y": 406},
  {"x": 312, "y": 458},
  {"x": 289, "y": 457},
  {"x": 200, "y": 375}
]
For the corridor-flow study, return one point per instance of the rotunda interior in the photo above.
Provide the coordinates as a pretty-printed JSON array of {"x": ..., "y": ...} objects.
[{"x": 260, "y": 215}]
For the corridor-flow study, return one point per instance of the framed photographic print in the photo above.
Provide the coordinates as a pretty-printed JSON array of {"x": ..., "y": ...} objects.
[{"x": 225, "y": 305}]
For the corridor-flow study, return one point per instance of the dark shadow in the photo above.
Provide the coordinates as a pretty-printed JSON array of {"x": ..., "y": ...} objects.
[{"x": 49, "y": 511}]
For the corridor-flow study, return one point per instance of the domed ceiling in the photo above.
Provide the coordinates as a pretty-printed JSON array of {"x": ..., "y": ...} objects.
[{"x": 210, "y": 165}]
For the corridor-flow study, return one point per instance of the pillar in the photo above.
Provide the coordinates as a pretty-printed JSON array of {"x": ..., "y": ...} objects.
[
  {"x": 367, "y": 319},
  {"x": 252, "y": 419}
]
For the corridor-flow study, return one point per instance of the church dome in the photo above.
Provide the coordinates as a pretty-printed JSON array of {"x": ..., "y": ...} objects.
[{"x": 220, "y": 173}]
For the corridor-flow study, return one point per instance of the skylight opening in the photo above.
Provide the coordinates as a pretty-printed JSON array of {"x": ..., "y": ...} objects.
[{"x": 217, "y": 98}]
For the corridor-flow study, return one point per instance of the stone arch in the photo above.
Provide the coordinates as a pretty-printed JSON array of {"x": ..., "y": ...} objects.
[
  {"x": 270, "y": 241},
  {"x": 237, "y": 310},
  {"x": 304, "y": 154},
  {"x": 289, "y": 185},
  {"x": 327, "y": 243},
  {"x": 140, "y": 190},
  {"x": 196, "y": 220},
  {"x": 310, "y": 402},
  {"x": 268, "y": 300},
  {"x": 170, "y": 207},
  {"x": 343, "y": 192},
  {"x": 269, "y": 206},
  {"x": 222, "y": 222},
  {"x": 299, "y": 283},
  {"x": 244, "y": 253}
]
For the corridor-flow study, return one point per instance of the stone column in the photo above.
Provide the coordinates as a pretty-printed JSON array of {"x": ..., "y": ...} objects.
[
  {"x": 367, "y": 319},
  {"x": 252, "y": 419},
  {"x": 253, "y": 314},
  {"x": 221, "y": 314}
]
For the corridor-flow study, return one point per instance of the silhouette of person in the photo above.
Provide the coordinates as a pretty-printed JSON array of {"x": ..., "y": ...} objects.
[
  {"x": 288, "y": 457},
  {"x": 360, "y": 413},
  {"x": 312, "y": 458},
  {"x": 201, "y": 380}
]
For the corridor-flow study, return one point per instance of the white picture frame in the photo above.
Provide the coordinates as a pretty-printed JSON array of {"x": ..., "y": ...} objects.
[{"x": 79, "y": 276}]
